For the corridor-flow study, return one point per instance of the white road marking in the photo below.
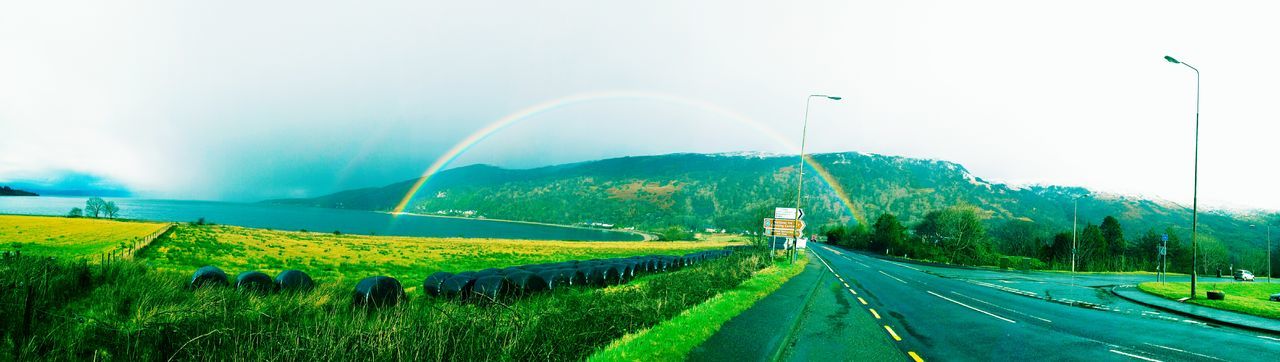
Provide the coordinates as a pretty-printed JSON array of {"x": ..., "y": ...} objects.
[
  {"x": 1178, "y": 350},
  {"x": 1135, "y": 356},
  {"x": 894, "y": 278},
  {"x": 906, "y": 266},
  {"x": 1271, "y": 338},
  {"x": 993, "y": 305},
  {"x": 971, "y": 307}
]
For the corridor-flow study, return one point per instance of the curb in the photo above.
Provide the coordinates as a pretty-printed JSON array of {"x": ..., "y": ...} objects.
[{"x": 1196, "y": 316}]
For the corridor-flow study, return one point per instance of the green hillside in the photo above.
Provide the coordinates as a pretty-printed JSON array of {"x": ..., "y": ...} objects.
[{"x": 724, "y": 191}]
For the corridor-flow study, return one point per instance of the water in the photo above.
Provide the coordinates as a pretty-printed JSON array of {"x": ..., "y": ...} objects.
[{"x": 285, "y": 217}]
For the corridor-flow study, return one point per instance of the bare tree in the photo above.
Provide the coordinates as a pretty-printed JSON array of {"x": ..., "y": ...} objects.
[
  {"x": 110, "y": 209},
  {"x": 94, "y": 206}
]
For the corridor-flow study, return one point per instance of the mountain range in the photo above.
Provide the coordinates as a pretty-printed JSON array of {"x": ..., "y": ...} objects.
[{"x": 734, "y": 191}]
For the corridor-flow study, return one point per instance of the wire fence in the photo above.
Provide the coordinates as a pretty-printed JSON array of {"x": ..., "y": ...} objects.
[{"x": 129, "y": 250}]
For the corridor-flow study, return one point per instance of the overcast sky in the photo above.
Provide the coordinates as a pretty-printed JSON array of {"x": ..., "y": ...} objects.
[{"x": 243, "y": 100}]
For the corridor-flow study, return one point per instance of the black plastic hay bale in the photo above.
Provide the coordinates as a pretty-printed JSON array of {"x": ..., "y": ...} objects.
[
  {"x": 459, "y": 286},
  {"x": 294, "y": 280},
  {"x": 603, "y": 275},
  {"x": 378, "y": 291},
  {"x": 555, "y": 278},
  {"x": 576, "y": 276},
  {"x": 492, "y": 287},
  {"x": 432, "y": 284},
  {"x": 490, "y": 271},
  {"x": 255, "y": 281},
  {"x": 208, "y": 276},
  {"x": 528, "y": 283}
]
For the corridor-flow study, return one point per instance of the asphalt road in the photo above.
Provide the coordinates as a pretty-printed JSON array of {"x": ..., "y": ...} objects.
[{"x": 956, "y": 314}]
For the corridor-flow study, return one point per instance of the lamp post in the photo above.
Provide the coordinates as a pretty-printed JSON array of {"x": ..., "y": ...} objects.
[
  {"x": 1075, "y": 220},
  {"x": 804, "y": 133},
  {"x": 1195, "y": 178},
  {"x": 1268, "y": 225}
]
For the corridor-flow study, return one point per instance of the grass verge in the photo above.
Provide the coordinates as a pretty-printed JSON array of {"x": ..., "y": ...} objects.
[
  {"x": 672, "y": 340},
  {"x": 1248, "y": 298}
]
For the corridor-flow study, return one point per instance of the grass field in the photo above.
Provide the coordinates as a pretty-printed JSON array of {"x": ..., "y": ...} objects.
[
  {"x": 410, "y": 259},
  {"x": 127, "y": 311},
  {"x": 1249, "y": 298},
  {"x": 674, "y": 339},
  {"x": 69, "y": 237}
]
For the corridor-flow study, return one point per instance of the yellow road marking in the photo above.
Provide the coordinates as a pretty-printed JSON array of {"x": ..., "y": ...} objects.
[
  {"x": 915, "y": 356},
  {"x": 873, "y": 312},
  {"x": 863, "y": 301},
  {"x": 846, "y": 285},
  {"x": 853, "y": 291},
  {"x": 891, "y": 333}
]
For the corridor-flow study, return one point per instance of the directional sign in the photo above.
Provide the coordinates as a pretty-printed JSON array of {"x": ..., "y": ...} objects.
[
  {"x": 787, "y": 213},
  {"x": 1164, "y": 237},
  {"x": 784, "y": 224},
  {"x": 786, "y": 233}
]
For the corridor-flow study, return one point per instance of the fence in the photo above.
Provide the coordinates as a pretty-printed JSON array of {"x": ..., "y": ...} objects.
[{"x": 129, "y": 251}]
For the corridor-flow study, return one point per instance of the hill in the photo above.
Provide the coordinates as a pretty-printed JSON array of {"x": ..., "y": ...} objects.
[
  {"x": 733, "y": 191},
  {"x": 7, "y": 191}
]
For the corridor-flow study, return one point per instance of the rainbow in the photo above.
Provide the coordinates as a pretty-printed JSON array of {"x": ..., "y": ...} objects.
[{"x": 480, "y": 135}]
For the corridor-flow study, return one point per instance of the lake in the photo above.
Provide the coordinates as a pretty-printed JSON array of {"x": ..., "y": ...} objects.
[{"x": 286, "y": 217}]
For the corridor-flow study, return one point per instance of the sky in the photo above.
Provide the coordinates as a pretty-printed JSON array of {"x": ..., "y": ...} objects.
[{"x": 242, "y": 101}]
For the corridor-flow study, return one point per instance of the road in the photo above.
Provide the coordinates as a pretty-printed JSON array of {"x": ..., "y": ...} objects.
[{"x": 956, "y": 314}]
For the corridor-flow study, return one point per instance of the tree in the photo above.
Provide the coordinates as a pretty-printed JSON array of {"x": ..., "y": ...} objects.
[
  {"x": 888, "y": 234},
  {"x": 958, "y": 231},
  {"x": 1113, "y": 237},
  {"x": 1059, "y": 253},
  {"x": 75, "y": 212},
  {"x": 1019, "y": 237},
  {"x": 110, "y": 209},
  {"x": 1091, "y": 249},
  {"x": 94, "y": 206}
]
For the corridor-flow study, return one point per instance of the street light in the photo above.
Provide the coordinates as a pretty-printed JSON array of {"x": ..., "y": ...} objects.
[
  {"x": 1195, "y": 178},
  {"x": 1268, "y": 224},
  {"x": 804, "y": 133}
]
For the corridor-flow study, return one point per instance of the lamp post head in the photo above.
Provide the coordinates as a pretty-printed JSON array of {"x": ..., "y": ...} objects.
[
  {"x": 834, "y": 98},
  {"x": 1171, "y": 60}
]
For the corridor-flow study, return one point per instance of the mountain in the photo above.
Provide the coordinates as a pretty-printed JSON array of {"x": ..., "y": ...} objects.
[
  {"x": 733, "y": 191},
  {"x": 6, "y": 191}
]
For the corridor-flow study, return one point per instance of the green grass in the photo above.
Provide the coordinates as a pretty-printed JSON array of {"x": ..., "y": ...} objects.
[
  {"x": 674, "y": 339},
  {"x": 1248, "y": 298},
  {"x": 128, "y": 311},
  {"x": 410, "y": 259},
  {"x": 69, "y": 237}
]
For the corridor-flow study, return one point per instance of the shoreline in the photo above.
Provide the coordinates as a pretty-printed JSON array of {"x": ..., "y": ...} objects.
[{"x": 644, "y": 236}]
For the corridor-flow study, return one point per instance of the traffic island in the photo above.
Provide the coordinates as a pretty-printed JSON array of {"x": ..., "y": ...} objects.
[{"x": 1197, "y": 308}]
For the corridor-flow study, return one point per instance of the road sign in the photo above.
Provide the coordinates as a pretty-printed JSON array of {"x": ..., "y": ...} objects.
[
  {"x": 1164, "y": 237},
  {"x": 1162, "y": 250},
  {"x": 787, "y": 213},
  {"x": 786, "y": 233},
  {"x": 784, "y": 224}
]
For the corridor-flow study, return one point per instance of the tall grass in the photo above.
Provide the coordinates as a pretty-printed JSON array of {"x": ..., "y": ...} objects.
[{"x": 61, "y": 310}]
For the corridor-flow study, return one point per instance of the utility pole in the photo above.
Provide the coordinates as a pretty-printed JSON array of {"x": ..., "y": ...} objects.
[{"x": 1075, "y": 219}]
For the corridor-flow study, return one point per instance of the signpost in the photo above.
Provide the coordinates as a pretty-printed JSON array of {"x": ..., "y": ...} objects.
[
  {"x": 786, "y": 222},
  {"x": 1164, "y": 257}
]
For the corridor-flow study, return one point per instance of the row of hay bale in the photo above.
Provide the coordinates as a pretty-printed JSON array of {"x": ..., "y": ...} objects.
[
  {"x": 482, "y": 285},
  {"x": 253, "y": 280},
  {"x": 513, "y": 282}
]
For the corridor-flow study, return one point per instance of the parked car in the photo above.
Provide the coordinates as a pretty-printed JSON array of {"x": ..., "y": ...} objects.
[
  {"x": 1244, "y": 275},
  {"x": 1275, "y": 297}
]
